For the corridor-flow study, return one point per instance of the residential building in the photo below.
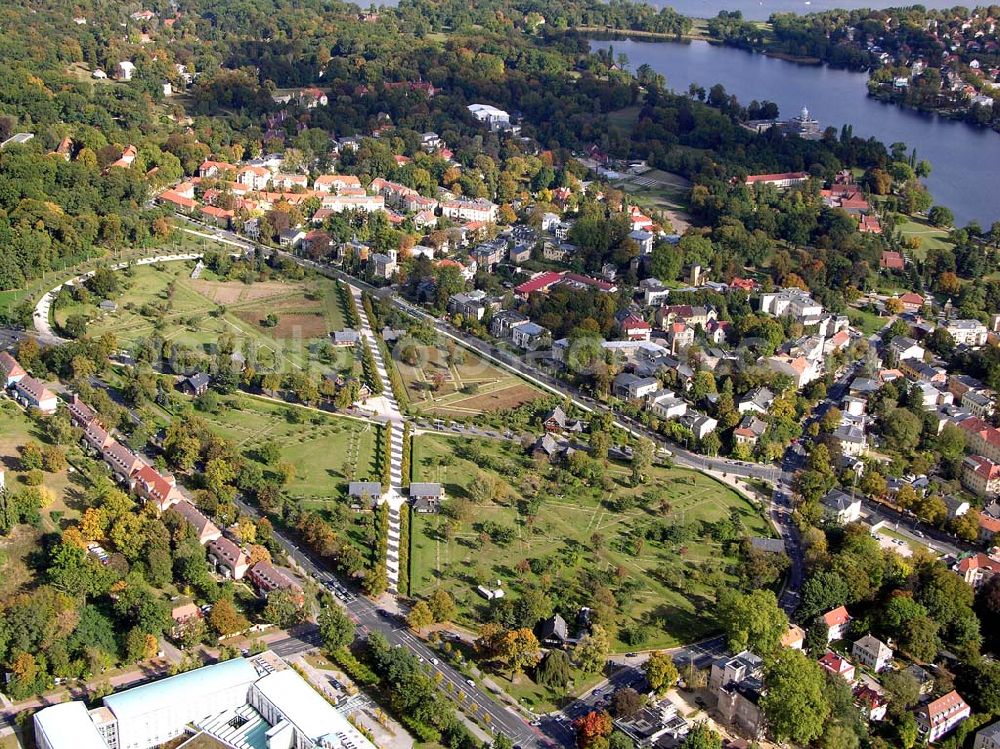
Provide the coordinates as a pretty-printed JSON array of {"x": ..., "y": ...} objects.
[
  {"x": 981, "y": 438},
  {"x": 977, "y": 568},
  {"x": 955, "y": 506},
  {"x": 196, "y": 384},
  {"x": 558, "y": 421},
  {"x": 33, "y": 394},
  {"x": 872, "y": 704},
  {"x": 529, "y": 336},
  {"x": 851, "y": 439},
  {"x": 495, "y": 119},
  {"x": 841, "y": 508},
  {"x": 227, "y": 558},
  {"x": 97, "y": 437},
  {"x": 632, "y": 387},
  {"x": 426, "y": 497},
  {"x": 470, "y": 210},
  {"x": 554, "y": 632},
  {"x": 906, "y": 348},
  {"x": 644, "y": 239},
  {"x": 364, "y": 494},
  {"x": 152, "y": 486},
  {"x": 749, "y": 430},
  {"x": 838, "y": 666},
  {"x": 737, "y": 681},
  {"x": 122, "y": 461},
  {"x": 790, "y": 302},
  {"x": 781, "y": 181},
  {"x": 656, "y": 724},
  {"x": 758, "y": 401},
  {"x": 383, "y": 265},
  {"x": 967, "y": 332},
  {"x": 634, "y": 328},
  {"x": 680, "y": 336},
  {"x": 204, "y": 529},
  {"x": 503, "y": 323},
  {"x": 267, "y": 578},
  {"x": 836, "y": 623},
  {"x": 699, "y": 424},
  {"x": 981, "y": 476},
  {"x": 666, "y": 404},
  {"x": 939, "y": 717},
  {"x": 11, "y": 371},
  {"x": 978, "y": 403},
  {"x": 871, "y": 652},
  {"x": 468, "y": 304},
  {"x": 183, "y": 616},
  {"x": 988, "y": 738},
  {"x": 801, "y": 370}
]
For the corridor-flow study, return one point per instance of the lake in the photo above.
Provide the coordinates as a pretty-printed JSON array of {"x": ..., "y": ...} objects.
[{"x": 965, "y": 159}]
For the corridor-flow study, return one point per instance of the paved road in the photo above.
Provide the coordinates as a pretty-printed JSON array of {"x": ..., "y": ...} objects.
[{"x": 368, "y": 618}]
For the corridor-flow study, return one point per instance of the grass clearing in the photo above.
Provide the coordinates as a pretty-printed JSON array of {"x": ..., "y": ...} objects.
[
  {"x": 164, "y": 300},
  {"x": 931, "y": 237},
  {"x": 469, "y": 385},
  {"x": 16, "y": 428},
  {"x": 326, "y": 450},
  {"x": 579, "y": 537},
  {"x": 869, "y": 322}
]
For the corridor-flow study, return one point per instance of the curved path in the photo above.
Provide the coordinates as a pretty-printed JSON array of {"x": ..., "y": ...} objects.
[{"x": 42, "y": 317}]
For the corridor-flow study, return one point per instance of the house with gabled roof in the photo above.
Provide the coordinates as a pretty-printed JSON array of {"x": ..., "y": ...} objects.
[
  {"x": 11, "y": 370},
  {"x": 939, "y": 717},
  {"x": 836, "y": 622},
  {"x": 205, "y": 530},
  {"x": 227, "y": 558}
]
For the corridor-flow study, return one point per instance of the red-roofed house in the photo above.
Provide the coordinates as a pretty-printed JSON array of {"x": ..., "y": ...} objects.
[
  {"x": 174, "y": 198},
  {"x": 891, "y": 260},
  {"x": 154, "y": 487},
  {"x": 127, "y": 158},
  {"x": 541, "y": 282},
  {"x": 911, "y": 302},
  {"x": 744, "y": 284},
  {"x": 227, "y": 558},
  {"x": 980, "y": 475},
  {"x": 872, "y": 704},
  {"x": 989, "y": 528},
  {"x": 836, "y": 623},
  {"x": 10, "y": 369},
  {"x": 981, "y": 438},
  {"x": 977, "y": 569},
  {"x": 33, "y": 394},
  {"x": 838, "y": 666},
  {"x": 267, "y": 578},
  {"x": 940, "y": 716},
  {"x": 209, "y": 169},
  {"x": 218, "y": 216},
  {"x": 204, "y": 528},
  {"x": 635, "y": 328}
]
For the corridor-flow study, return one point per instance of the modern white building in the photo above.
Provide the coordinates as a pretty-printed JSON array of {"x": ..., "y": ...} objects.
[
  {"x": 243, "y": 702},
  {"x": 495, "y": 119},
  {"x": 67, "y": 724}
]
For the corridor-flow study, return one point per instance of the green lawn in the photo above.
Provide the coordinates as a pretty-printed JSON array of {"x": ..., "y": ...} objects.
[
  {"x": 931, "y": 237},
  {"x": 327, "y": 451},
  {"x": 164, "y": 300},
  {"x": 16, "y": 428},
  {"x": 579, "y": 538},
  {"x": 869, "y": 322}
]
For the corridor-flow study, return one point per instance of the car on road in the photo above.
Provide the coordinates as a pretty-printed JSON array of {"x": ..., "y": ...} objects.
[
  {"x": 434, "y": 661},
  {"x": 470, "y": 682},
  {"x": 631, "y": 655}
]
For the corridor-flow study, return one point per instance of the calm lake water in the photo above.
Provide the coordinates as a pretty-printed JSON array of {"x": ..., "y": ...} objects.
[{"x": 965, "y": 159}]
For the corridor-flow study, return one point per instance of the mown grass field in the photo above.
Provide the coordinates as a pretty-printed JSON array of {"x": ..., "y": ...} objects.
[
  {"x": 470, "y": 386},
  {"x": 931, "y": 237},
  {"x": 327, "y": 451},
  {"x": 164, "y": 300},
  {"x": 578, "y": 537}
]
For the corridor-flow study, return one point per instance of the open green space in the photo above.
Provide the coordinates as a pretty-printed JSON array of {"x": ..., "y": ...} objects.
[
  {"x": 326, "y": 450},
  {"x": 931, "y": 237},
  {"x": 652, "y": 545},
  {"x": 454, "y": 382},
  {"x": 164, "y": 300},
  {"x": 869, "y": 322},
  {"x": 16, "y": 428}
]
